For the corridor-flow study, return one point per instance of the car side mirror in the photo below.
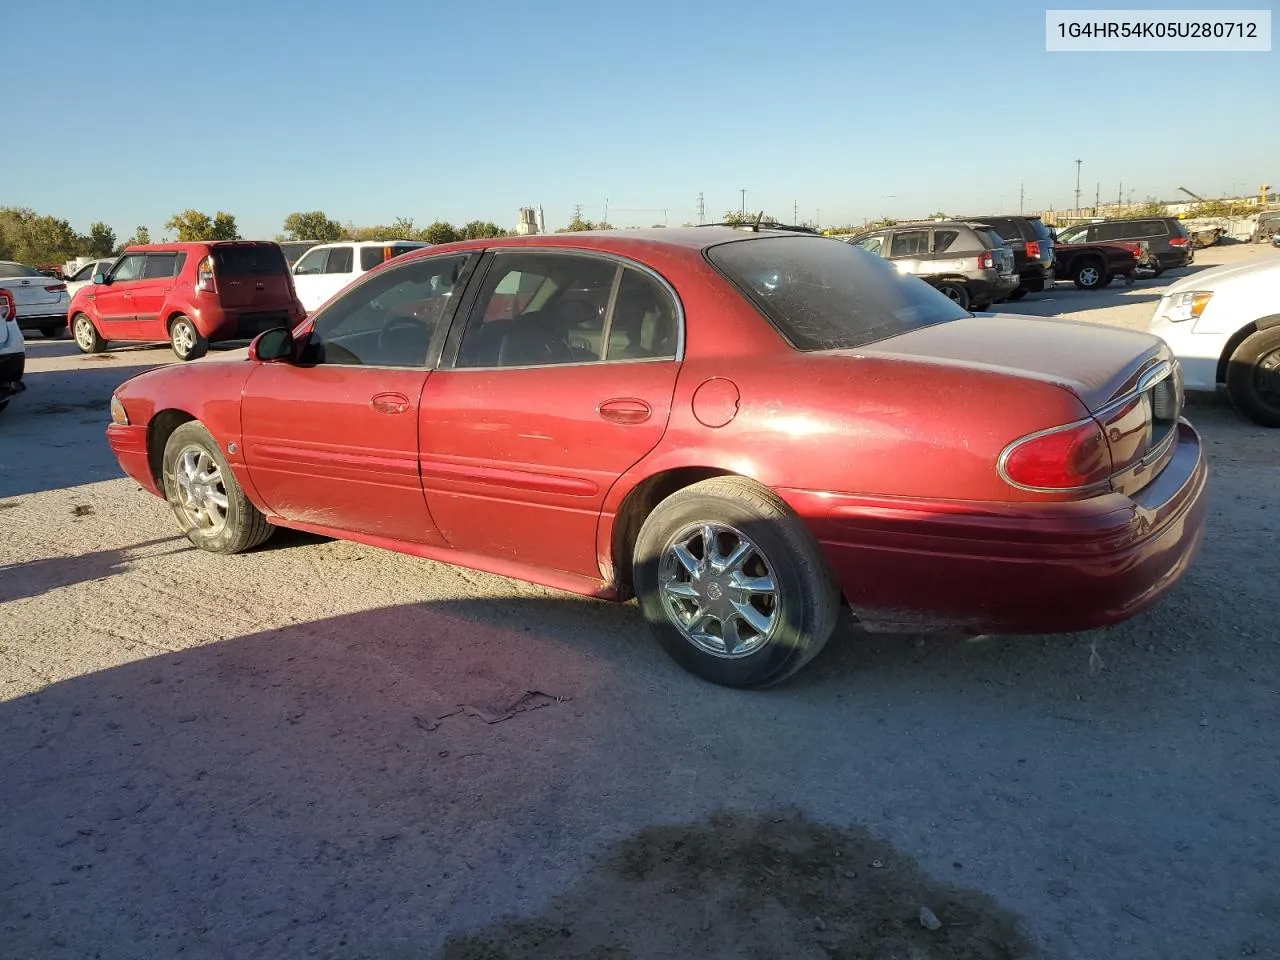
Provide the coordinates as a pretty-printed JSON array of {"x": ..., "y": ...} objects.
[
  {"x": 99, "y": 278},
  {"x": 272, "y": 346}
]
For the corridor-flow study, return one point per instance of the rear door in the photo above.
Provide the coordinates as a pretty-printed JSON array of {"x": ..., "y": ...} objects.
[
  {"x": 909, "y": 250},
  {"x": 308, "y": 277},
  {"x": 159, "y": 274},
  {"x": 339, "y": 270}
]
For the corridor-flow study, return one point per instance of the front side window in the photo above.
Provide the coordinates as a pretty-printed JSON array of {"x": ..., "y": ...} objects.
[
  {"x": 873, "y": 244},
  {"x": 826, "y": 295},
  {"x": 1074, "y": 235},
  {"x": 340, "y": 260},
  {"x": 311, "y": 263},
  {"x": 910, "y": 243},
  {"x": 129, "y": 267},
  {"x": 390, "y": 319},
  {"x": 85, "y": 273}
]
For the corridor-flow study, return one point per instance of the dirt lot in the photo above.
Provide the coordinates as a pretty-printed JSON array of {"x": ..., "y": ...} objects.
[{"x": 245, "y": 757}]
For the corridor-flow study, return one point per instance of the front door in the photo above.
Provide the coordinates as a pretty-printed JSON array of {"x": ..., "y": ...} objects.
[
  {"x": 331, "y": 439},
  {"x": 560, "y": 381},
  {"x": 114, "y": 300}
]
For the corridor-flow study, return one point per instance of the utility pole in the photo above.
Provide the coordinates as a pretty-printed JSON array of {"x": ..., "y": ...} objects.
[
  {"x": 1120, "y": 196},
  {"x": 1097, "y": 198},
  {"x": 664, "y": 216},
  {"x": 702, "y": 209},
  {"x": 1022, "y": 195},
  {"x": 1077, "y": 211},
  {"x": 795, "y": 211},
  {"x": 743, "y": 191},
  {"x": 606, "y": 209}
]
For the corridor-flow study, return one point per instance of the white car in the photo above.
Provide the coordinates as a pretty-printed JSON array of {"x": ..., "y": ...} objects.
[
  {"x": 13, "y": 349},
  {"x": 42, "y": 301},
  {"x": 1223, "y": 325},
  {"x": 84, "y": 276},
  {"x": 325, "y": 269}
]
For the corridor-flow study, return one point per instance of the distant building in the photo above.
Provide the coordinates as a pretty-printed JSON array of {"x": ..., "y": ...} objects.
[{"x": 531, "y": 221}]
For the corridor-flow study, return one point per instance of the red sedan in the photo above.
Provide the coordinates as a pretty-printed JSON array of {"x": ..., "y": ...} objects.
[{"x": 743, "y": 429}]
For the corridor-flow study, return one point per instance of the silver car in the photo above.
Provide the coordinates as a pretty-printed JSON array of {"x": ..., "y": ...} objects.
[{"x": 42, "y": 301}]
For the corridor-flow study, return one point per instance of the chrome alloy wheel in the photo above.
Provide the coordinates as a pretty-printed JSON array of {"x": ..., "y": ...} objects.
[
  {"x": 1090, "y": 276},
  {"x": 84, "y": 333},
  {"x": 202, "y": 495},
  {"x": 718, "y": 590},
  {"x": 184, "y": 338}
]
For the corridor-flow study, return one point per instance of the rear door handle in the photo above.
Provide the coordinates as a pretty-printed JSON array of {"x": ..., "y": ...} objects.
[
  {"x": 624, "y": 410},
  {"x": 390, "y": 403}
]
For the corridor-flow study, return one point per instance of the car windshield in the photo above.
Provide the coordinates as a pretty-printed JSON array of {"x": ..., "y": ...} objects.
[
  {"x": 11, "y": 270},
  {"x": 822, "y": 294},
  {"x": 1073, "y": 235}
]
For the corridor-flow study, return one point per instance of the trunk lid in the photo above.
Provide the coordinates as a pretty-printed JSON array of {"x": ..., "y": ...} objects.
[
  {"x": 1097, "y": 363},
  {"x": 32, "y": 291},
  {"x": 252, "y": 276}
]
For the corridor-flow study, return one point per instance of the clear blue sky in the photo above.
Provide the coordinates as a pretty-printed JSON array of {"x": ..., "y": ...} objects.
[{"x": 458, "y": 111}]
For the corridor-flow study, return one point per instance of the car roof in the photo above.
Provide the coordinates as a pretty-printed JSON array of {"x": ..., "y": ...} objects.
[
  {"x": 686, "y": 238},
  {"x": 359, "y": 243},
  {"x": 179, "y": 246}
]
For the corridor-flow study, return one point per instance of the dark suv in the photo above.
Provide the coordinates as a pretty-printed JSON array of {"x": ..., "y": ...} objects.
[
  {"x": 1166, "y": 238},
  {"x": 1032, "y": 246},
  {"x": 966, "y": 261}
]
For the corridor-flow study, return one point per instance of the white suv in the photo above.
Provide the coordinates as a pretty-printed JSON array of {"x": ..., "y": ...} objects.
[
  {"x": 1223, "y": 325},
  {"x": 325, "y": 269},
  {"x": 13, "y": 349}
]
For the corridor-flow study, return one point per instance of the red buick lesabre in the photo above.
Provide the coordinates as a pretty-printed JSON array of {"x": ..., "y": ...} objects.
[{"x": 744, "y": 429}]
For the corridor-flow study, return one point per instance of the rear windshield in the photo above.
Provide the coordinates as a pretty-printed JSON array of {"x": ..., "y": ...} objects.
[
  {"x": 1007, "y": 229},
  {"x": 11, "y": 270},
  {"x": 1039, "y": 229},
  {"x": 823, "y": 294},
  {"x": 254, "y": 260}
]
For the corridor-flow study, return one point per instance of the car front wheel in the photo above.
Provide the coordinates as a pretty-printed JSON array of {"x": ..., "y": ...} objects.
[
  {"x": 1090, "y": 276},
  {"x": 208, "y": 501},
  {"x": 87, "y": 337},
  {"x": 188, "y": 342},
  {"x": 733, "y": 583},
  {"x": 1253, "y": 377}
]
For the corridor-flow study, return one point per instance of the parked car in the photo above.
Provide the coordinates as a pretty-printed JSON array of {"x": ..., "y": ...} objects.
[
  {"x": 1094, "y": 265},
  {"x": 293, "y": 249},
  {"x": 967, "y": 262},
  {"x": 191, "y": 294},
  {"x": 1267, "y": 228},
  {"x": 1032, "y": 246},
  {"x": 41, "y": 300},
  {"x": 1223, "y": 325},
  {"x": 328, "y": 267},
  {"x": 1167, "y": 238},
  {"x": 13, "y": 349},
  {"x": 84, "y": 276},
  {"x": 757, "y": 426}
]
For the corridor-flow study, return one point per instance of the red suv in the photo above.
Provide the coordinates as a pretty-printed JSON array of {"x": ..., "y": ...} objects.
[{"x": 190, "y": 294}]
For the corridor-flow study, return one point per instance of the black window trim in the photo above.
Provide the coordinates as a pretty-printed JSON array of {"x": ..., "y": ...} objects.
[
  {"x": 461, "y": 316},
  {"x": 432, "y": 360}
]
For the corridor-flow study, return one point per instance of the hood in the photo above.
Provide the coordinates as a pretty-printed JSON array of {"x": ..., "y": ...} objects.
[{"x": 1215, "y": 277}]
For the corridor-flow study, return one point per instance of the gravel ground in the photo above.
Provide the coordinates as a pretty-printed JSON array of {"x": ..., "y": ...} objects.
[{"x": 263, "y": 756}]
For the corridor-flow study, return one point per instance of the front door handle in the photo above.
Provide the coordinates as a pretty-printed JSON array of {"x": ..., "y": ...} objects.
[
  {"x": 624, "y": 410},
  {"x": 390, "y": 403}
]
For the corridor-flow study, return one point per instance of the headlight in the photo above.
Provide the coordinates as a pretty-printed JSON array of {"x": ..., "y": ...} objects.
[
  {"x": 118, "y": 416},
  {"x": 1179, "y": 307}
]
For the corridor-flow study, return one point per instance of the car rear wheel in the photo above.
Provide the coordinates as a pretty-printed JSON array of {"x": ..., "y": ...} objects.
[
  {"x": 1253, "y": 377},
  {"x": 1090, "y": 275},
  {"x": 1019, "y": 293},
  {"x": 188, "y": 342},
  {"x": 208, "y": 502},
  {"x": 87, "y": 337},
  {"x": 733, "y": 583},
  {"x": 956, "y": 293}
]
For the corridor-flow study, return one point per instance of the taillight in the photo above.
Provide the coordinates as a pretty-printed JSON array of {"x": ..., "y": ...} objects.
[
  {"x": 1033, "y": 249},
  {"x": 56, "y": 287},
  {"x": 1177, "y": 241},
  {"x": 8, "y": 309},
  {"x": 1135, "y": 249},
  {"x": 987, "y": 261},
  {"x": 205, "y": 282},
  {"x": 1066, "y": 458}
]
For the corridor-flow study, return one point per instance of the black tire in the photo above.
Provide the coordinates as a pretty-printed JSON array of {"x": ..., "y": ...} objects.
[
  {"x": 1090, "y": 274},
  {"x": 1157, "y": 270},
  {"x": 52, "y": 331},
  {"x": 805, "y": 603},
  {"x": 87, "y": 337},
  {"x": 3, "y": 404},
  {"x": 1253, "y": 377},
  {"x": 955, "y": 292},
  {"x": 1018, "y": 293},
  {"x": 243, "y": 526},
  {"x": 185, "y": 338}
]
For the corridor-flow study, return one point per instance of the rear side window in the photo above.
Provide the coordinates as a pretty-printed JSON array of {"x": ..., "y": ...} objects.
[
  {"x": 162, "y": 265},
  {"x": 943, "y": 239},
  {"x": 254, "y": 260},
  {"x": 911, "y": 243},
  {"x": 340, "y": 260},
  {"x": 1175, "y": 227},
  {"x": 822, "y": 294}
]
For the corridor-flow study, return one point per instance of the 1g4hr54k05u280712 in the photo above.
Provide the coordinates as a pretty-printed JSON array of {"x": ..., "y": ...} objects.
[{"x": 743, "y": 429}]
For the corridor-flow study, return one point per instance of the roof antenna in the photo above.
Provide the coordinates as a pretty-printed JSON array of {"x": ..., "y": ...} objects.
[{"x": 759, "y": 217}]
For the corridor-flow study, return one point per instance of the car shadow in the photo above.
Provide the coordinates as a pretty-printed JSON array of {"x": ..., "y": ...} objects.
[{"x": 36, "y": 577}]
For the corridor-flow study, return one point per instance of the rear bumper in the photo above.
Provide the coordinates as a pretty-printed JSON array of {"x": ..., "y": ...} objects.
[
  {"x": 34, "y": 316},
  {"x": 1013, "y": 567},
  {"x": 129, "y": 444},
  {"x": 219, "y": 323},
  {"x": 1037, "y": 276}
]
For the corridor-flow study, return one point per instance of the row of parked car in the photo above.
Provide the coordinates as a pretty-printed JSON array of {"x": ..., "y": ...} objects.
[{"x": 978, "y": 261}]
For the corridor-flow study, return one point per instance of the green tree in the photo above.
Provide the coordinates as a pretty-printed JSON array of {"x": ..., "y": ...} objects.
[
  {"x": 480, "y": 230},
  {"x": 439, "y": 232},
  {"x": 141, "y": 235},
  {"x": 735, "y": 218},
  {"x": 36, "y": 240},
  {"x": 193, "y": 225},
  {"x": 224, "y": 227},
  {"x": 101, "y": 240},
  {"x": 1151, "y": 207},
  {"x": 312, "y": 225},
  {"x": 1220, "y": 208}
]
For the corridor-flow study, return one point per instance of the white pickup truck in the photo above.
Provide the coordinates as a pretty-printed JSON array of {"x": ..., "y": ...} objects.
[
  {"x": 329, "y": 267},
  {"x": 1223, "y": 325}
]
